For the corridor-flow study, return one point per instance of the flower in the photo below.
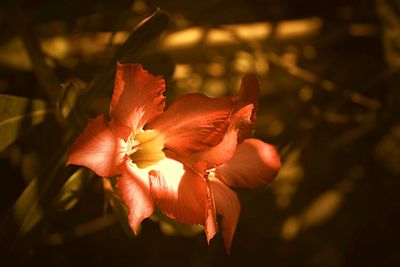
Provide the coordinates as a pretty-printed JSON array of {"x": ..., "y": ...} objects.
[{"x": 182, "y": 161}]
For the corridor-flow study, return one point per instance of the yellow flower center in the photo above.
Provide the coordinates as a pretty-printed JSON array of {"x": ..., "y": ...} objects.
[{"x": 146, "y": 148}]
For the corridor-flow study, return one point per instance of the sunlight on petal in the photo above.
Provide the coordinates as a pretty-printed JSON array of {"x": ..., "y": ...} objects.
[
  {"x": 171, "y": 169},
  {"x": 179, "y": 193}
]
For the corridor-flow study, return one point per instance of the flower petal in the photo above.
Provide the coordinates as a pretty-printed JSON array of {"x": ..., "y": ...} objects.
[
  {"x": 248, "y": 94},
  {"x": 224, "y": 151},
  {"x": 137, "y": 96},
  {"x": 180, "y": 193},
  {"x": 228, "y": 206},
  {"x": 98, "y": 148},
  {"x": 211, "y": 226},
  {"x": 240, "y": 126},
  {"x": 193, "y": 123},
  {"x": 135, "y": 192},
  {"x": 254, "y": 164}
]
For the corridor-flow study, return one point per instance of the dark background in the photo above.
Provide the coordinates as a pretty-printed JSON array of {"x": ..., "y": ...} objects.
[{"x": 329, "y": 101}]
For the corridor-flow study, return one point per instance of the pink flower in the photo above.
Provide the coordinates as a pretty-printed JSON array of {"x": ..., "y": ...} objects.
[{"x": 183, "y": 160}]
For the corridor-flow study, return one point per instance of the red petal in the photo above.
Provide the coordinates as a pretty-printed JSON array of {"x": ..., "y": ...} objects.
[
  {"x": 193, "y": 123},
  {"x": 254, "y": 164},
  {"x": 98, "y": 148},
  {"x": 137, "y": 96},
  {"x": 135, "y": 192},
  {"x": 249, "y": 91},
  {"x": 228, "y": 206},
  {"x": 211, "y": 226},
  {"x": 248, "y": 94},
  {"x": 241, "y": 126},
  {"x": 180, "y": 193},
  {"x": 224, "y": 151}
]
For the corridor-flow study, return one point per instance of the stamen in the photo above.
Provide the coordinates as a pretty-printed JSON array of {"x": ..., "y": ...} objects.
[
  {"x": 211, "y": 173},
  {"x": 132, "y": 144},
  {"x": 148, "y": 148}
]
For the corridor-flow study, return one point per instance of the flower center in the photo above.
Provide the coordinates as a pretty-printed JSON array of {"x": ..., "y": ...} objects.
[
  {"x": 146, "y": 147},
  {"x": 211, "y": 173}
]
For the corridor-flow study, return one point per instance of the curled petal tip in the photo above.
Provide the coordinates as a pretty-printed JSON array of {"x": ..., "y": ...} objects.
[{"x": 228, "y": 206}]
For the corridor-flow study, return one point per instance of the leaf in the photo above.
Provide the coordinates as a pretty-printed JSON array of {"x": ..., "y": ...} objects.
[
  {"x": 27, "y": 210},
  {"x": 13, "y": 54},
  {"x": 45, "y": 75},
  {"x": 69, "y": 194},
  {"x": 18, "y": 114},
  {"x": 69, "y": 96},
  {"x": 319, "y": 211},
  {"x": 171, "y": 228},
  {"x": 323, "y": 208},
  {"x": 388, "y": 12},
  {"x": 148, "y": 30},
  {"x": 118, "y": 207}
]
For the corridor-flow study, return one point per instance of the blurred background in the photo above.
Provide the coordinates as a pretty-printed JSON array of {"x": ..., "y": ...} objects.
[{"x": 330, "y": 101}]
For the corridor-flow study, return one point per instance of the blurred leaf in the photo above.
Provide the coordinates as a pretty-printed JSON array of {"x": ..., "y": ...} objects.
[
  {"x": 176, "y": 229},
  {"x": 391, "y": 32},
  {"x": 290, "y": 174},
  {"x": 145, "y": 32},
  {"x": 388, "y": 149},
  {"x": 14, "y": 54},
  {"x": 27, "y": 210},
  {"x": 322, "y": 208},
  {"x": 148, "y": 30},
  {"x": 319, "y": 211},
  {"x": 69, "y": 96},
  {"x": 290, "y": 228},
  {"x": 120, "y": 211},
  {"x": 45, "y": 75},
  {"x": 16, "y": 113},
  {"x": 171, "y": 228},
  {"x": 69, "y": 194},
  {"x": 118, "y": 207},
  {"x": 31, "y": 165}
]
